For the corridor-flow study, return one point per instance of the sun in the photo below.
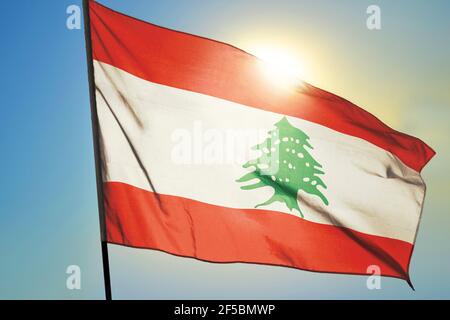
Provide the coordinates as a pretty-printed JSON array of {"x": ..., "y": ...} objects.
[{"x": 282, "y": 68}]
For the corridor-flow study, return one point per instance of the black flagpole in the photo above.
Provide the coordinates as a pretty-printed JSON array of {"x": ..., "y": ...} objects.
[{"x": 98, "y": 164}]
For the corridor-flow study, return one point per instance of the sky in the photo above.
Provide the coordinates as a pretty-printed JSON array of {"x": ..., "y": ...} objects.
[{"x": 48, "y": 204}]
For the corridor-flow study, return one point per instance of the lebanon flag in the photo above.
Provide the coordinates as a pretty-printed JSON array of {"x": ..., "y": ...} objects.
[{"x": 203, "y": 155}]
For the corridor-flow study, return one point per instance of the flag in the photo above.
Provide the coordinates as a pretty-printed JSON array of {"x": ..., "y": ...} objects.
[{"x": 204, "y": 155}]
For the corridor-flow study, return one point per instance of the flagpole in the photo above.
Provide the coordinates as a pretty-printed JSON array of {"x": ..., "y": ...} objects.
[{"x": 98, "y": 164}]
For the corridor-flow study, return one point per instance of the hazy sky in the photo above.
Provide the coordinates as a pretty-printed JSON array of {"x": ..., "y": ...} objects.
[{"x": 48, "y": 209}]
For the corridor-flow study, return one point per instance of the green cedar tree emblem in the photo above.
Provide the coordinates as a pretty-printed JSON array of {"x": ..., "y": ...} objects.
[{"x": 286, "y": 149}]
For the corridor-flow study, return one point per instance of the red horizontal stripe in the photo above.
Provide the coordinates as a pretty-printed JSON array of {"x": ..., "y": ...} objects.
[
  {"x": 209, "y": 67},
  {"x": 139, "y": 218}
]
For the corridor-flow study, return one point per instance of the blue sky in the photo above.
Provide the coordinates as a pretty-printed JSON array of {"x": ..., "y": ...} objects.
[{"x": 48, "y": 208}]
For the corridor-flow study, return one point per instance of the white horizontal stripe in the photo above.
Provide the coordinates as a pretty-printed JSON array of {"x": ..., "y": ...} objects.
[{"x": 369, "y": 189}]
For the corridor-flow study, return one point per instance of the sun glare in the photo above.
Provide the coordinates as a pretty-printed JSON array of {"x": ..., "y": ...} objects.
[{"x": 280, "y": 67}]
